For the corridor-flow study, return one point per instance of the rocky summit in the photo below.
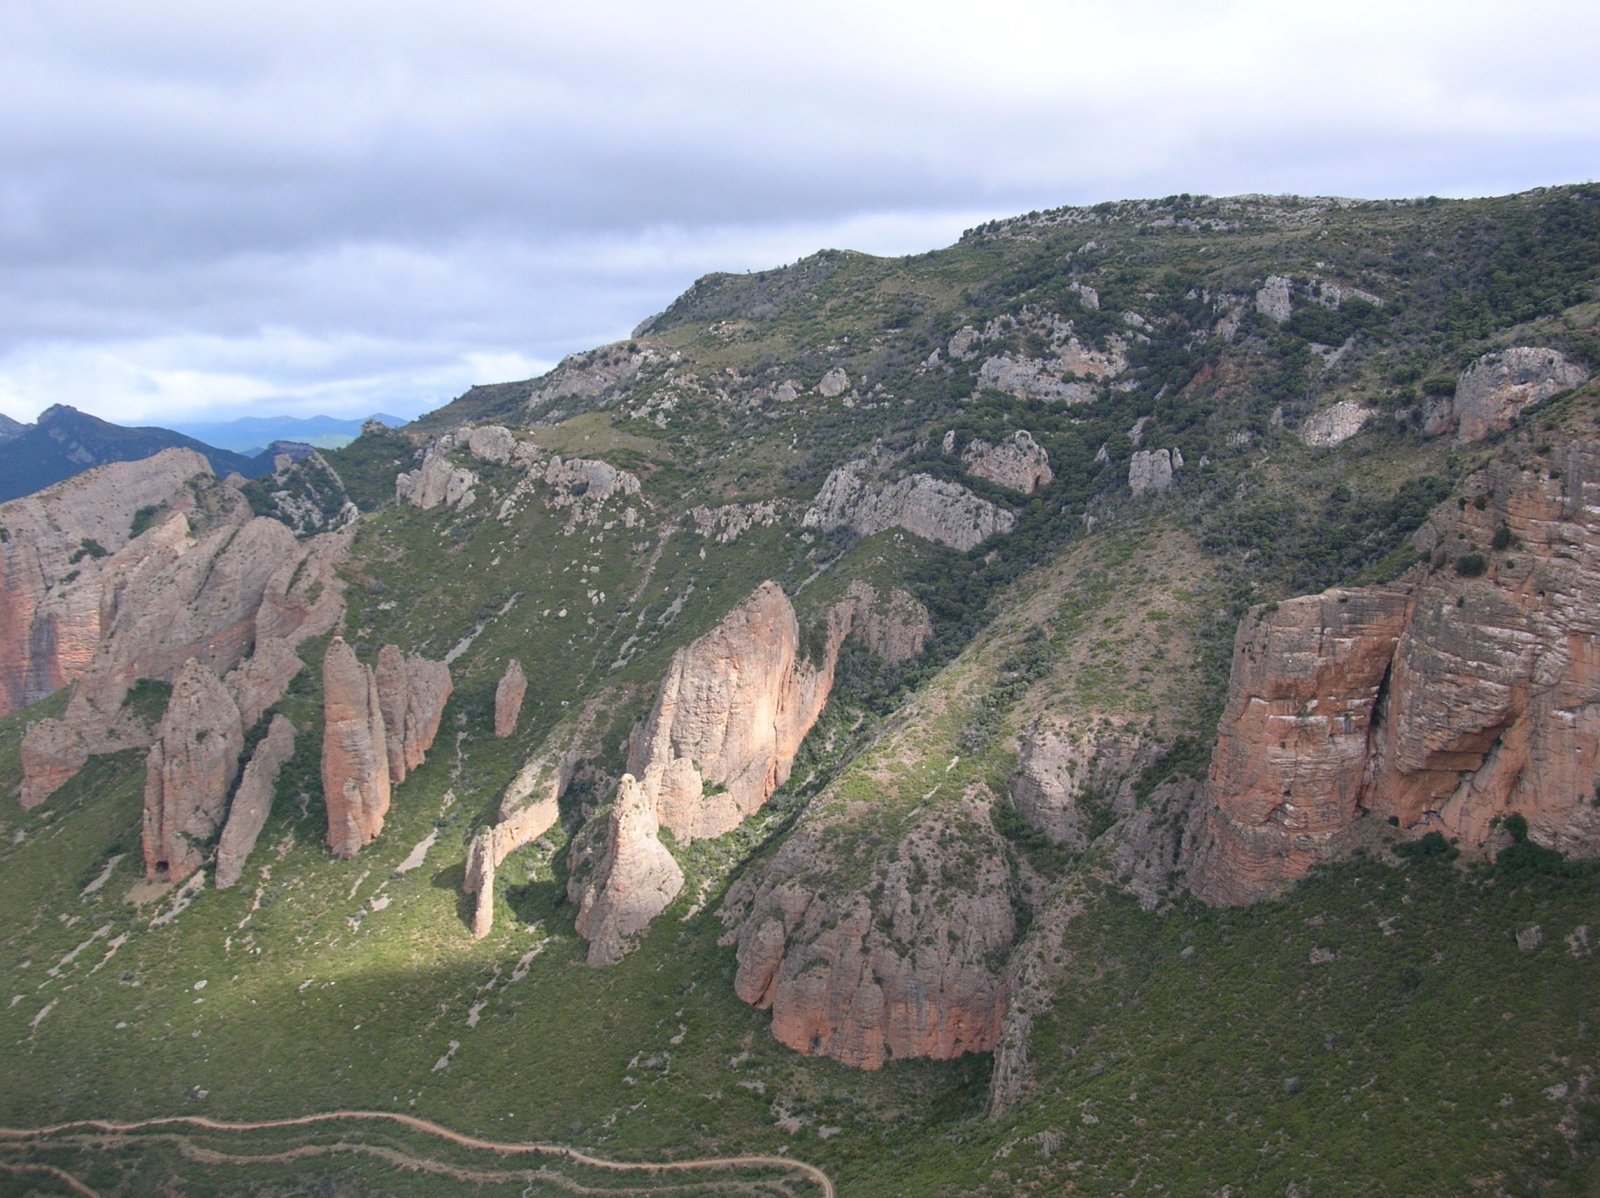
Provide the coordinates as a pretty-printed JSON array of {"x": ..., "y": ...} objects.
[{"x": 1109, "y": 706}]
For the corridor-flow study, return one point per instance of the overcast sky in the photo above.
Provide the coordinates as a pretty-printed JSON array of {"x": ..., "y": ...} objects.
[{"x": 210, "y": 210}]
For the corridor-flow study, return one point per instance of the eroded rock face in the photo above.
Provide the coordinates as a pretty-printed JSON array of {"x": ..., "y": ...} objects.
[
  {"x": 1335, "y": 424},
  {"x": 60, "y": 546},
  {"x": 919, "y": 503},
  {"x": 491, "y": 443},
  {"x": 1150, "y": 471},
  {"x": 252, "y": 802},
  {"x": 729, "y": 718},
  {"x": 1068, "y": 783},
  {"x": 412, "y": 692},
  {"x": 634, "y": 881},
  {"x": 189, "y": 772},
  {"x": 1274, "y": 300},
  {"x": 1017, "y": 462},
  {"x": 355, "y": 756},
  {"x": 508, "y": 696},
  {"x": 52, "y": 755},
  {"x": 1498, "y": 387},
  {"x": 1293, "y": 744},
  {"x": 437, "y": 481},
  {"x": 904, "y": 972},
  {"x": 1489, "y": 703},
  {"x": 891, "y": 624}
]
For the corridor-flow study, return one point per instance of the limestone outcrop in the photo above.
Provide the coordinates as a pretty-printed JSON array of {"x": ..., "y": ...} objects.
[
  {"x": 189, "y": 772},
  {"x": 412, "y": 692},
  {"x": 508, "y": 696},
  {"x": 1498, "y": 387},
  {"x": 866, "y": 977},
  {"x": 355, "y": 756},
  {"x": 633, "y": 882},
  {"x": 436, "y": 481},
  {"x": 1070, "y": 781},
  {"x": 1150, "y": 471},
  {"x": 252, "y": 801},
  {"x": 1462, "y": 694},
  {"x": 1017, "y": 462},
  {"x": 924, "y": 506},
  {"x": 1335, "y": 424}
]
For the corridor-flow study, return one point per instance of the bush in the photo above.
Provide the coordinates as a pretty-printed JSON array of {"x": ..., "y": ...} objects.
[{"x": 1471, "y": 565}]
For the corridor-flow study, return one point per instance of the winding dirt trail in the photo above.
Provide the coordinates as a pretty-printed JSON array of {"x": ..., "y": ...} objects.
[{"x": 108, "y": 1130}]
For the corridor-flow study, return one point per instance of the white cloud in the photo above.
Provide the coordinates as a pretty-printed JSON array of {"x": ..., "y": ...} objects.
[{"x": 302, "y": 202}]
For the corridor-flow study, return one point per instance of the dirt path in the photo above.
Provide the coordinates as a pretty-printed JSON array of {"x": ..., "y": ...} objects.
[{"x": 108, "y": 1130}]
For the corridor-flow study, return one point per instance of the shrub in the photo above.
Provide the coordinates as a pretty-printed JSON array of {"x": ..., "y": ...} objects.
[{"x": 1471, "y": 565}]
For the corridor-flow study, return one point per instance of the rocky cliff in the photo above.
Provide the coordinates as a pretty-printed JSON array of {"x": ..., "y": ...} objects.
[
  {"x": 907, "y": 968},
  {"x": 412, "y": 692},
  {"x": 189, "y": 772},
  {"x": 729, "y": 717},
  {"x": 1462, "y": 694}
]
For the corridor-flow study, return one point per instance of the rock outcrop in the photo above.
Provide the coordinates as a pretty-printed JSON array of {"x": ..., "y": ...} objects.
[
  {"x": 1335, "y": 424},
  {"x": 1274, "y": 300},
  {"x": 890, "y": 624},
  {"x": 1018, "y": 462},
  {"x": 60, "y": 547},
  {"x": 508, "y": 696},
  {"x": 919, "y": 503},
  {"x": 52, "y": 755},
  {"x": 412, "y": 692},
  {"x": 1150, "y": 471},
  {"x": 633, "y": 882},
  {"x": 355, "y": 755},
  {"x": 729, "y": 718},
  {"x": 252, "y": 801},
  {"x": 1070, "y": 782},
  {"x": 189, "y": 772},
  {"x": 1498, "y": 387},
  {"x": 378, "y": 726},
  {"x": 902, "y": 971},
  {"x": 1466, "y": 692},
  {"x": 437, "y": 481}
]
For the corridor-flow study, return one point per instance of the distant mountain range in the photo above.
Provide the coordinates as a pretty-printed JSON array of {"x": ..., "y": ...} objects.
[
  {"x": 64, "y": 442},
  {"x": 251, "y": 434}
]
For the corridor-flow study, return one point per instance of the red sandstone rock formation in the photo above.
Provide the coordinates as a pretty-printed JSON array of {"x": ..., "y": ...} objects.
[
  {"x": 52, "y": 754},
  {"x": 1490, "y": 704},
  {"x": 189, "y": 772},
  {"x": 60, "y": 545},
  {"x": 508, "y": 697},
  {"x": 412, "y": 692},
  {"x": 730, "y": 715},
  {"x": 355, "y": 757},
  {"x": 902, "y": 972},
  {"x": 633, "y": 882},
  {"x": 252, "y": 802}
]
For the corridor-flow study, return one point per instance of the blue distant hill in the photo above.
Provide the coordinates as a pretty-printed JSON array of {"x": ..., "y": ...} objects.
[{"x": 250, "y": 435}]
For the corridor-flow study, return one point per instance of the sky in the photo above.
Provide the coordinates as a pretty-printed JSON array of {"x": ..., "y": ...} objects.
[{"x": 340, "y": 207}]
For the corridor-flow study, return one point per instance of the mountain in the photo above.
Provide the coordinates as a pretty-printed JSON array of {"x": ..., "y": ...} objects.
[
  {"x": 9, "y": 427},
  {"x": 1106, "y": 707},
  {"x": 248, "y": 434},
  {"x": 64, "y": 442}
]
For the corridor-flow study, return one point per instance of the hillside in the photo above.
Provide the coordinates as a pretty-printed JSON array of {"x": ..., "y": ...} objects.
[{"x": 1106, "y": 707}]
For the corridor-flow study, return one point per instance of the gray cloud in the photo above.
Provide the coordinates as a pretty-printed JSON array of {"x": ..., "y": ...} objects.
[{"x": 208, "y": 206}]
